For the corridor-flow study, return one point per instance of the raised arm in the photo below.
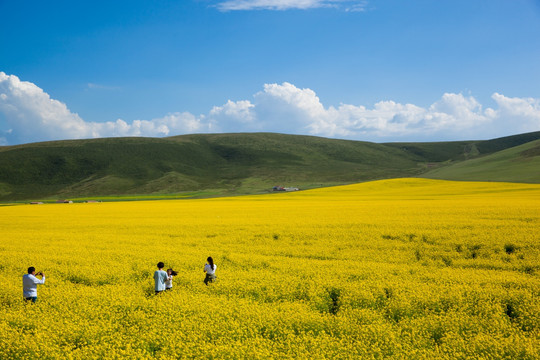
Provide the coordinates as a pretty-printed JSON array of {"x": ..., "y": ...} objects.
[{"x": 38, "y": 281}]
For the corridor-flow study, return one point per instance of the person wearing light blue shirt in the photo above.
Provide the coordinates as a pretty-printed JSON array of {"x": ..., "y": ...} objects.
[
  {"x": 30, "y": 283},
  {"x": 160, "y": 276}
]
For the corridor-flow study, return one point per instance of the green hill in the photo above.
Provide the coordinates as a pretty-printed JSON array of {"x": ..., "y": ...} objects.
[
  {"x": 227, "y": 164},
  {"x": 463, "y": 150},
  {"x": 517, "y": 164}
]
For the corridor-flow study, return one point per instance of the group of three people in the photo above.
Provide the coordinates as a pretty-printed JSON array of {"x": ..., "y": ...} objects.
[{"x": 163, "y": 279}]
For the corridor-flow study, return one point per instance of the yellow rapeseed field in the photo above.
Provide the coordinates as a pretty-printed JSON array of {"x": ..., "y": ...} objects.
[{"x": 399, "y": 269}]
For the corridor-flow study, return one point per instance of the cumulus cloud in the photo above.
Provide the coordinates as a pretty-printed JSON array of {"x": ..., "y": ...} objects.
[
  {"x": 521, "y": 114},
  {"x": 288, "y": 109},
  {"x": 347, "y": 5},
  {"x": 301, "y": 110},
  {"x": 241, "y": 111},
  {"x": 31, "y": 115}
]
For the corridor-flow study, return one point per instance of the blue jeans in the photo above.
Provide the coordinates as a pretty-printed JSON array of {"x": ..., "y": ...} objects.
[{"x": 32, "y": 299}]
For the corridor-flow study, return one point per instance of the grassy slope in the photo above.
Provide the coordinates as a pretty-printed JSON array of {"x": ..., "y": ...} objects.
[
  {"x": 231, "y": 164},
  {"x": 222, "y": 163},
  {"x": 290, "y": 158},
  {"x": 517, "y": 164},
  {"x": 101, "y": 166},
  {"x": 463, "y": 150}
]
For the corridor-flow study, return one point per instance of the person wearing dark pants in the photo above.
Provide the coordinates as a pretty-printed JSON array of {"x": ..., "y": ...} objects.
[
  {"x": 30, "y": 283},
  {"x": 210, "y": 270},
  {"x": 160, "y": 276}
]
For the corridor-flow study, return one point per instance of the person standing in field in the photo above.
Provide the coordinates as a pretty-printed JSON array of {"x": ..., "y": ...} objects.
[
  {"x": 210, "y": 270},
  {"x": 170, "y": 274},
  {"x": 160, "y": 277},
  {"x": 30, "y": 283}
]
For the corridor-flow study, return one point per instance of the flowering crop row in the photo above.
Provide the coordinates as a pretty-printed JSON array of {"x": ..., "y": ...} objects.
[{"x": 405, "y": 268}]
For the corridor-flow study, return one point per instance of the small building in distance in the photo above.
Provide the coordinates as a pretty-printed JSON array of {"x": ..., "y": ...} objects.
[
  {"x": 281, "y": 188},
  {"x": 64, "y": 201}
]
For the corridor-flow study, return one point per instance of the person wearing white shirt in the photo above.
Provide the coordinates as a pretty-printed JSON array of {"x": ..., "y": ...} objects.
[
  {"x": 170, "y": 275},
  {"x": 30, "y": 283},
  {"x": 210, "y": 270}
]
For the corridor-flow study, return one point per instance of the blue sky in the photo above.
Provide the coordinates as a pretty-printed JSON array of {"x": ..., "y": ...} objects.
[{"x": 367, "y": 70}]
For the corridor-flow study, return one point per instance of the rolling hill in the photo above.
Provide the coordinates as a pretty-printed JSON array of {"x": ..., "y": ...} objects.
[
  {"x": 229, "y": 164},
  {"x": 517, "y": 164}
]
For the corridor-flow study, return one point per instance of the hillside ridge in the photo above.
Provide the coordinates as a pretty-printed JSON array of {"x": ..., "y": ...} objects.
[{"x": 244, "y": 163}]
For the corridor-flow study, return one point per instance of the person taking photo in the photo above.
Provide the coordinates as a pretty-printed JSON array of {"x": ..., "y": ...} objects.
[{"x": 30, "y": 283}]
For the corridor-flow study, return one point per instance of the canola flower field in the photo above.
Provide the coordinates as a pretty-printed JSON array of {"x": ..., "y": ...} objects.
[{"x": 407, "y": 268}]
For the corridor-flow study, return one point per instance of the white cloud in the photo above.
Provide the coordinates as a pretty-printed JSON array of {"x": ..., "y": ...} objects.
[
  {"x": 31, "y": 115},
  {"x": 347, "y": 5},
  {"x": 241, "y": 111},
  {"x": 522, "y": 114},
  {"x": 292, "y": 109}
]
